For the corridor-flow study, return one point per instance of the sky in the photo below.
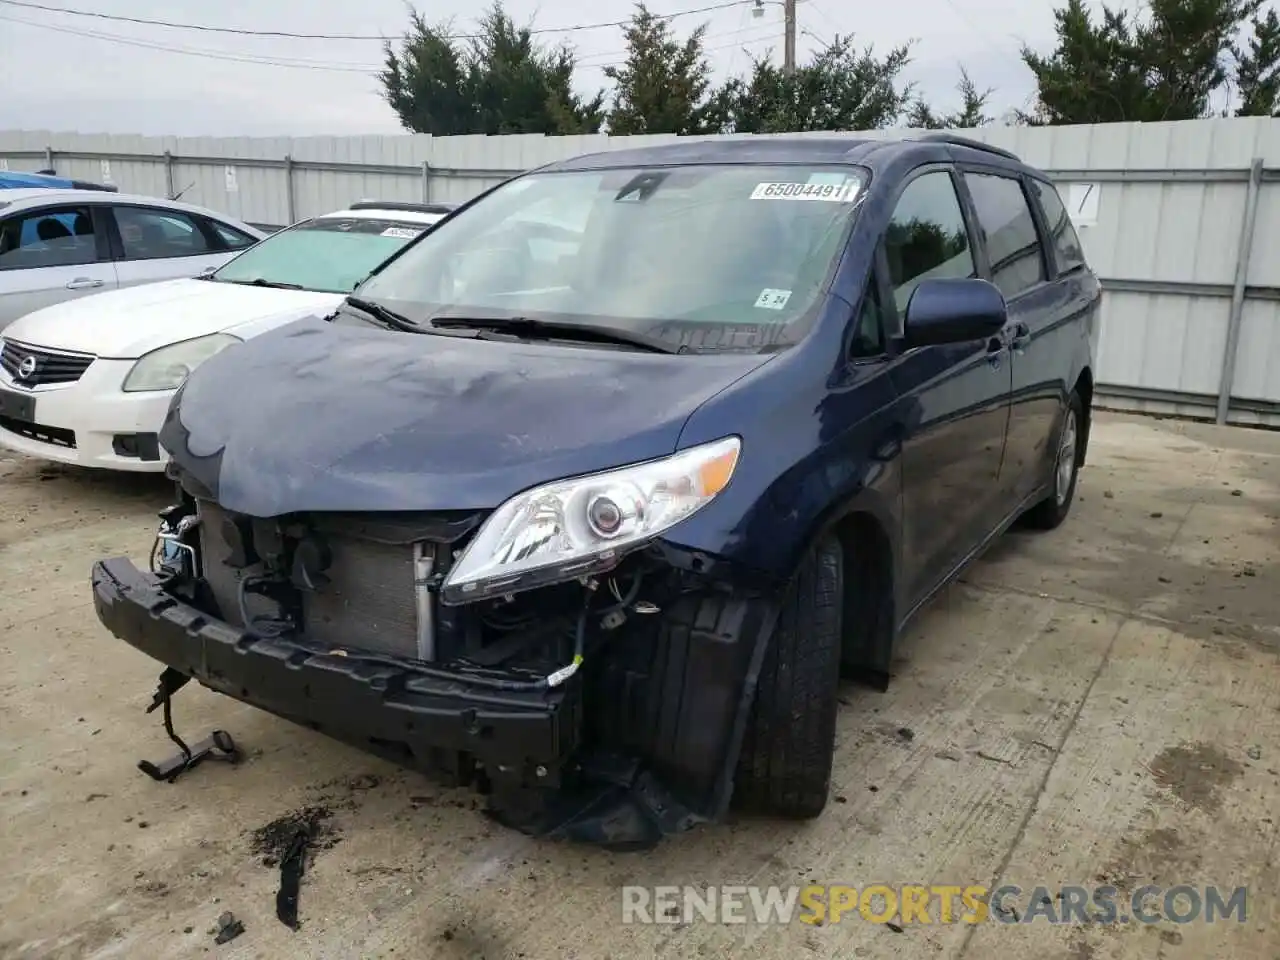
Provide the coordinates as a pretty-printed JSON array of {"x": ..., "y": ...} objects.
[{"x": 75, "y": 73}]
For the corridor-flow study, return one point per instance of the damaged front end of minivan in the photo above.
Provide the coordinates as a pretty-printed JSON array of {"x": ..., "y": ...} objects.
[{"x": 593, "y": 680}]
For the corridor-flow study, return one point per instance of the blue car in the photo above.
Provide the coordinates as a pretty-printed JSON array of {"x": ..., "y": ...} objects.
[
  {"x": 11, "y": 180},
  {"x": 590, "y": 495}
]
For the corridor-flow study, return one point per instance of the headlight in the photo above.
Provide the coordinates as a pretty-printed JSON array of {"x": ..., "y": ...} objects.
[
  {"x": 585, "y": 525},
  {"x": 168, "y": 367}
]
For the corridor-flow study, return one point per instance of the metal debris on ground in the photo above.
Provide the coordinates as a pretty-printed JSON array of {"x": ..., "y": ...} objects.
[
  {"x": 217, "y": 746},
  {"x": 227, "y": 928},
  {"x": 292, "y": 866},
  {"x": 285, "y": 842}
]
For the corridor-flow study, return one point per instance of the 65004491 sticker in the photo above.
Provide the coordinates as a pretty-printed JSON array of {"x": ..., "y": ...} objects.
[{"x": 831, "y": 192}]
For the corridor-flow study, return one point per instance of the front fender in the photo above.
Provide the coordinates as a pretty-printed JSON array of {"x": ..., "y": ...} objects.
[{"x": 813, "y": 452}]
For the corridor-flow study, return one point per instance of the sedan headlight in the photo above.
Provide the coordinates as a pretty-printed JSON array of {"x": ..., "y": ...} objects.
[
  {"x": 572, "y": 528},
  {"x": 168, "y": 367}
]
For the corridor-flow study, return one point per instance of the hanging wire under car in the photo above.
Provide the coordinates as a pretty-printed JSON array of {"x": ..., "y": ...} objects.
[{"x": 264, "y": 626}]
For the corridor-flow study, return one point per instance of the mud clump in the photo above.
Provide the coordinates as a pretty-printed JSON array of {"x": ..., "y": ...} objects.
[{"x": 271, "y": 841}]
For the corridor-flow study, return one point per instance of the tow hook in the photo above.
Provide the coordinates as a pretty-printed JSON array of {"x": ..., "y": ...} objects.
[{"x": 217, "y": 746}]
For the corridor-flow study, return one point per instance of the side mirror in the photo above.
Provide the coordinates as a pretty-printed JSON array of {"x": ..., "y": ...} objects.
[
  {"x": 206, "y": 272},
  {"x": 954, "y": 311}
]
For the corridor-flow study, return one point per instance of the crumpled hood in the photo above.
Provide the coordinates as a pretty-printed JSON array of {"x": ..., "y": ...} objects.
[
  {"x": 315, "y": 416},
  {"x": 127, "y": 323}
]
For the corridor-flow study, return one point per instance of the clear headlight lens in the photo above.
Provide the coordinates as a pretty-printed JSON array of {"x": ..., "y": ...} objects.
[
  {"x": 585, "y": 525},
  {"x": 168, "y": 367}
]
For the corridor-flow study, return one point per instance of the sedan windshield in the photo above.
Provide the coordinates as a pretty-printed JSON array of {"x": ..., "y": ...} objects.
[
  {"x": 328, "y": 254},
  {"x": 726, "y": 257}
]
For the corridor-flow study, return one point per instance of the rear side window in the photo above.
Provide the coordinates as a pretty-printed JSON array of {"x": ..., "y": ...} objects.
[
  {"x": 1066, "y": 243},
  {"x": 1013, "y": 245},
  {"x": 926, "y": 238},
  {"x": 150, "y": 234},
  {"x": 58, "y": 237},
  {"x": 233, "y": 238}
]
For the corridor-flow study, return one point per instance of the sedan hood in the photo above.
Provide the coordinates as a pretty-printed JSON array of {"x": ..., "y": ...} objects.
[
  {"x": 320, "y": 417},
  {"x": 125, "y": 324}
]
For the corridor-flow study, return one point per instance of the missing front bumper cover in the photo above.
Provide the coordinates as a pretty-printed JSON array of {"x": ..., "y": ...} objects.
[
  {"x": 409, "y": 711},
  {"x": 554, "y": 761}
]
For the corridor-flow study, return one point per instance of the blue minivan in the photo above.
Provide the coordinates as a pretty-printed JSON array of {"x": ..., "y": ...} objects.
[{"x": 590, "y": 495}]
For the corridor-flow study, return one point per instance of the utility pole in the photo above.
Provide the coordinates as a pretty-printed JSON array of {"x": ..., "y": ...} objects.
[{"x": 789, "y": 42}]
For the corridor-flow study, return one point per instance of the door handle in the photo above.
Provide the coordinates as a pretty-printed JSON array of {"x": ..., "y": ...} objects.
[
  {"x": 84, "y": 283},
  {"x": 1021, "y": 337},
  {"x": 995, "y": 350}
]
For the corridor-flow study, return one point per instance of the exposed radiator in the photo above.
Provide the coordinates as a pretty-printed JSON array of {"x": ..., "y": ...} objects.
[{"x": 368, "y": 602}]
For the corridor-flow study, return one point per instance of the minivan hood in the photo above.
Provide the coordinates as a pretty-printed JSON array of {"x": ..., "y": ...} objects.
[
  {"x": 127, "y": 323},
  {"x": 320, "y": 417}
]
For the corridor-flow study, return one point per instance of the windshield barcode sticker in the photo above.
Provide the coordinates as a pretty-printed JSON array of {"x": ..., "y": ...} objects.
[
  {"x": 400, "y": 233},
  {"x": 833, "y": 193}
]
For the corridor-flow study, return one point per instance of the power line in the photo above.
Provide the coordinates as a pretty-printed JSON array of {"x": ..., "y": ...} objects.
[
  {"x": 239, "y": 31},
  {"x": 813, "y": 5},
  {"x": 587, "y": 61},
  {"x": 592, "y": 59},
  {"x": 742, "y": 26},
  {"x": 208, "y": 54}
]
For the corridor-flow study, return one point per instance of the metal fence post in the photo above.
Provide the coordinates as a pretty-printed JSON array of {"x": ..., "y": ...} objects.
[
  {"x": 288, "y": 189},
  {"x": 168, "y": 175},
  {"x": 426, "y": 181},
  {"x": 1236, "y": 316}
]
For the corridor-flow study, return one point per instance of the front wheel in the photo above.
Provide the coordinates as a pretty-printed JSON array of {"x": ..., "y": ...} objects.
[
  {"x": 1053, "y": 509},
  {"x": 785, "y": 765}
]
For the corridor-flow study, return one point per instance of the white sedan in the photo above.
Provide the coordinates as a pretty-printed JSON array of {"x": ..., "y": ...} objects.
[
  {"x": 57, "y": 245},
  {"x": 88, "y": 382}
]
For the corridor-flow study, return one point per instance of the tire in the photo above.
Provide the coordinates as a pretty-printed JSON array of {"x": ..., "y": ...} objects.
[
  {"x": 1053, "y": 509},
  {"x": 785, "y": 765}
]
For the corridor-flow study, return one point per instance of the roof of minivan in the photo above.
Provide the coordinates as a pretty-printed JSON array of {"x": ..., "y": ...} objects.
[{"x": 789, "y": 149}]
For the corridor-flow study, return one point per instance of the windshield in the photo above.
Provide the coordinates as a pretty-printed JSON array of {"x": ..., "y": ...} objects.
[
  {"x": 329, "y": 254},
  {"x": 717, "y": 257}
]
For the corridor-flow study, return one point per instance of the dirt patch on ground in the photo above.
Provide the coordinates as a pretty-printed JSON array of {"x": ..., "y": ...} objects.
[
  {"x": 1159, "y": 856},
  {"x": 271, "y": 841},
  {"x": 1196, "y": 773}
]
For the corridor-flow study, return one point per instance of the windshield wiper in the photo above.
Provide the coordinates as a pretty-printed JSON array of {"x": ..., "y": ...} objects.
[
  {"x": 384, "y": 315},
  {"x": 264, "y": 282},
  {"x": 556, "y": 330}
]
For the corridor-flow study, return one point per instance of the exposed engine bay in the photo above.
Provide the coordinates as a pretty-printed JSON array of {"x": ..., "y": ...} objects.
[{"x": 609, "y": 708}]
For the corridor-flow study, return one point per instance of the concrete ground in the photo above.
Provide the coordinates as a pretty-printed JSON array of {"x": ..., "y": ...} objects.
[{"x": 1094, "y": 705}]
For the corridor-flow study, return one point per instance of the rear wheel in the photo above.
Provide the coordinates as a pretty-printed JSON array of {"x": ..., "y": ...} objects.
[
  {"x": 785, "y": 765},
  {"x": 1053, "y": 509}
]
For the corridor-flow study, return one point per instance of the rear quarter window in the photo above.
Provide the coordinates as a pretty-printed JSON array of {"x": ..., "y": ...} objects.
[
  {"x": 1066, "y": 242},
  {"x": 233, "y": 238}
]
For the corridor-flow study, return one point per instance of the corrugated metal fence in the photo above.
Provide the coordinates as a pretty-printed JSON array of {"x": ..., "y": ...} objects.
[{"x": 1181, "y": 220}]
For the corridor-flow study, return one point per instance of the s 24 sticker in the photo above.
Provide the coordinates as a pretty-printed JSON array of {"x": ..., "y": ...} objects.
[{"x": 771, "y": 299}]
